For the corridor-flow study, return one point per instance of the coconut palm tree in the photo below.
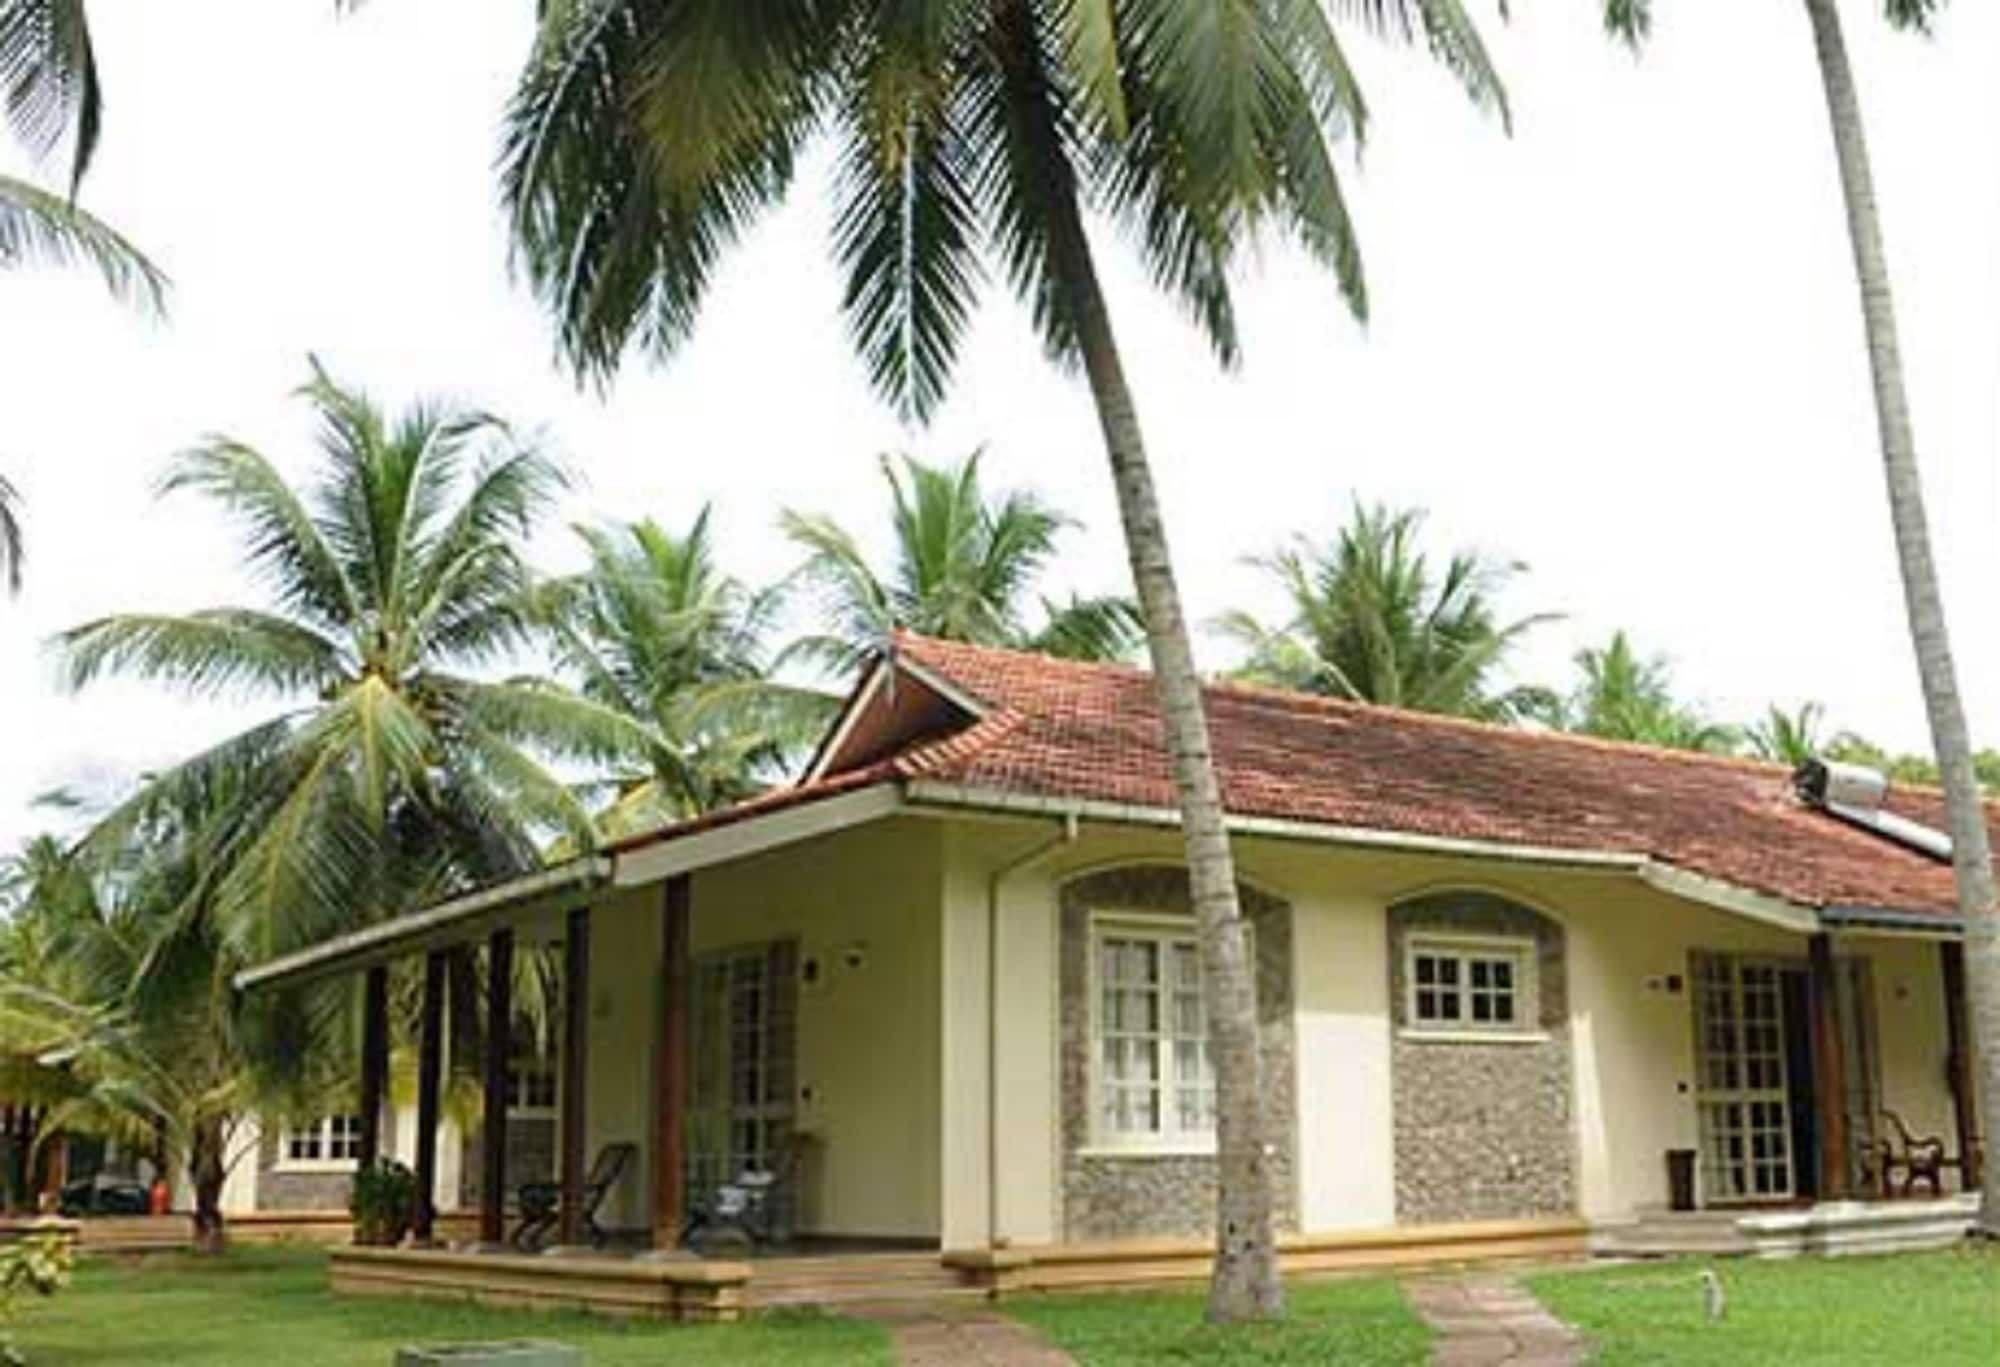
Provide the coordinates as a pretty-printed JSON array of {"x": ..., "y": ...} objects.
[
  {"x": 116, "y": 1011},
  {"x": 393, "y": 577},
  {"x": 964, "y": 567},
  {"x": 646, "y": 137},
  {"x": 1371, "y": 622},
  {"x": 1621, "y": 695},
  {"x": 1972, "y": 852},
  {"x": 656, "y": 630}
]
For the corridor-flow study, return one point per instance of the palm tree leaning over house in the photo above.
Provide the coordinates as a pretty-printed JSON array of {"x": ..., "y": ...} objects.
[
  {"x": 654, "y": 629},
  {"x": 395, "y": 582},
  {"x": 965, "y": 566},
  {"x": 1371, "y": 622},
  {"x": 645, "y": 138},
  {"x": 1972, "y": 853}
]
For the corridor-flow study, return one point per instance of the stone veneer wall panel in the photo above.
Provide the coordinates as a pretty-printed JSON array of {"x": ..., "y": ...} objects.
[
  {"x": 1146, "y": 1196},
  {"x": 1483, "y": 1130}
]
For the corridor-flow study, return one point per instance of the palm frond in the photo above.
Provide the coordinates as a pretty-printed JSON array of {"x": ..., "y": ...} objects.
[
  {"x": 284, "y": 545},
  {"x": 48, "y": 79},
  {"x": 12, "y": 540},
  {"x": 39, "y": 228},
  {"x": 211, "y": 652}
]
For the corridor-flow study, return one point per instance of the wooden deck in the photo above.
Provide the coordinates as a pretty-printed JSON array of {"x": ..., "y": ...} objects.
[{"x": 688, "y": 1287}]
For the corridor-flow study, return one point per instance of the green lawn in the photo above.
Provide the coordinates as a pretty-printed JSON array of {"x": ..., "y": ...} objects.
[
  {"x": 1353, "y": 1323},
  {"x": 1937, "y": 1309},
  {"x": 271, "y": 1306}
]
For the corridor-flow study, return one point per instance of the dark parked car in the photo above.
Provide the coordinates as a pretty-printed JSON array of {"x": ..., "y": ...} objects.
[{"x": 104, "y": 1194}]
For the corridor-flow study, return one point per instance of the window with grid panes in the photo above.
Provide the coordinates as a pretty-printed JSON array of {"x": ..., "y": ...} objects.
[
  {"x": 1469, "y": 985},
  {"x": 1155, "y": 1080},
  {"x": 330, "y": 1139}
]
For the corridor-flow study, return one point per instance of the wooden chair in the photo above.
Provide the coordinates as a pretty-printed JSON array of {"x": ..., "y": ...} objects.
[
  {"x": 1917, "y": 1158},
  {"x": 541, "y": 1202}
]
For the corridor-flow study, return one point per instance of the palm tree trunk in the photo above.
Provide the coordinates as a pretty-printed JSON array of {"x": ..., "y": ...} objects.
[
  {"x": 206, "y": 1171},
  {"x": 1972, "y": 855},
  {"x": 1246, "y": 1284}
]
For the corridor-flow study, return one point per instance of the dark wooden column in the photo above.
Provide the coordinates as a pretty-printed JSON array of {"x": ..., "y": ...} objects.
[
  {"x": 374, "y": 1060},
  {"x": 575, "y": 1067},
  {"x": 430, "y": 1059},
  {"x": 1958, "y": 1061},
  {"x": 1829, "y": 1069},
  {"x": 493, "y": 1129},
  {"x": 670, "y": 1074}
]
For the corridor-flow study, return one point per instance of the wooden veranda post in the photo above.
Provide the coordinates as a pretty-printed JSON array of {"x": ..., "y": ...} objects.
[
  {"x": 575, "y": 1068},
  {"x": 670, "y": 1077},
  {"x": 493, "y": 1127},
  {"x": 374, "y": 1061},
  {"x": 1829, "y": 1069},
  {"x": 1959, "y": 1071},
  {"x": 430, "y": 1060}
]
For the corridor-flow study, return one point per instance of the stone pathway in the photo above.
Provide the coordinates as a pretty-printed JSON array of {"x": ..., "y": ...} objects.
[
  {"x": 1484, "y": 1320},
  {"x": 927, "y": 1337}
]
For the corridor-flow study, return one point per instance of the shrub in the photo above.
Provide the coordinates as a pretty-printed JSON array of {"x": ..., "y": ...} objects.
[
  {"x": 35, "y": 1265},
  {"x": 383, "y": 1202}
]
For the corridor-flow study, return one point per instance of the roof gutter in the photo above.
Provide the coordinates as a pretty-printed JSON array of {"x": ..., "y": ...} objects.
[
  {"x": 455, "y": 921},
  {"x": 1889, "y": 918}
]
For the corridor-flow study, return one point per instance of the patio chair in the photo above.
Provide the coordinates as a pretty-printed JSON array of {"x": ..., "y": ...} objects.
[
  {"x": 748, "y": 1207},
  {"x": 1916, "y": 1158},
  {"x": 541, "y": 1202}
]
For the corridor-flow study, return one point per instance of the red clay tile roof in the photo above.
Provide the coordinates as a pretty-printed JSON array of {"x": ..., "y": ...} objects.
[{"x": 1062, "y": 729}]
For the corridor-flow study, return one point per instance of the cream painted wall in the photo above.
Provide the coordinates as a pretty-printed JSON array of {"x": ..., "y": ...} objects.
[
  {"x": 1632, "y": 1039},
  {"x": 624, "y": 1011},
  {"x": 870, "y": 1063},
  {"x": 893, "y": 1046},
  {"x": 1910, "y": 1029}
]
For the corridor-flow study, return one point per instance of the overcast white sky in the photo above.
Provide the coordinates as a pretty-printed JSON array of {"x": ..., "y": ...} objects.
[{"x": 1621, "y": 345}]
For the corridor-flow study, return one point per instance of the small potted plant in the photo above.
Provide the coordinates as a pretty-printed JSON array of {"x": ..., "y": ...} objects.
[{"x": 383, "y": 1203}]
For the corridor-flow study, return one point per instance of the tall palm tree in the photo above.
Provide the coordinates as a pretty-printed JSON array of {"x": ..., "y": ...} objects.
[
  {"x": 657, "y": 631},
  {"x": 965, "y": 565},
  {"x": 1621, "y": 695},
  {"x": 646, "y": 136},
  {"x": 1372, "y": 622},
  {"x": 1972, "y": 851},
  {"x": 392, "y": 575}
]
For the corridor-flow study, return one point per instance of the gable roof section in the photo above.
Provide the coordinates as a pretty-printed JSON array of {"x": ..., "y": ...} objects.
[{"x": 1067, "y": 730}]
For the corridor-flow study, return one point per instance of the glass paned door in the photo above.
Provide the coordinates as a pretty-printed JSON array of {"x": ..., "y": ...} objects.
[
  {"x": 1746, "y": 1140},
  {"x": 741, "y": 1044}
]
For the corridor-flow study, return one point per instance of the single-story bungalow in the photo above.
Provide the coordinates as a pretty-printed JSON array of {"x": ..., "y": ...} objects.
[{"x": 946, "y": 985}]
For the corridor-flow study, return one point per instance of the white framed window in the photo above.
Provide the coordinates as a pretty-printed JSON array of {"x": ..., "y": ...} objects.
[
  {"x": 1153, "y": 1081},
  {"x": 531, "y": 1086},
  {"x": 1475, "y": 985},
  {"x": 331, "y": 1142}
]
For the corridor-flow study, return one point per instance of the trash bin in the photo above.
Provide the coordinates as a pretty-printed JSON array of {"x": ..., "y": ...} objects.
[{"x": 1680, "y": 1179}]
